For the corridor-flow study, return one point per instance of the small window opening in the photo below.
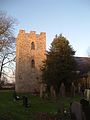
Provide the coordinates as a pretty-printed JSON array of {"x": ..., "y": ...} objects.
[
  {"x": 32, "y": 46},
  {"x": 33, "y": 64}
]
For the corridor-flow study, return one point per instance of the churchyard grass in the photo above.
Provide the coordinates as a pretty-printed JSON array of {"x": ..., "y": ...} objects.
[{"x": 14, "y": 110}]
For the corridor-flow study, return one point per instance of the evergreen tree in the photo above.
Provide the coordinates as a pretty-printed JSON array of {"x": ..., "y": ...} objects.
[{"x": 60, "y": 63}]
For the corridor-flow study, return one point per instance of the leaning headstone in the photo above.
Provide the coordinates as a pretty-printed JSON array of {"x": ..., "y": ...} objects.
[
  {"x": 73, "y": 89},
  {"x": 62, "y": 90},
  {"x": 76, "y": 111}
]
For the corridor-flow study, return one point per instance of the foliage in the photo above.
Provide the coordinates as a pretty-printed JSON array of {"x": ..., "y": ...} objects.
[
  {"x": 7, "y": 44},
  {"x": 60, "y": 63}
]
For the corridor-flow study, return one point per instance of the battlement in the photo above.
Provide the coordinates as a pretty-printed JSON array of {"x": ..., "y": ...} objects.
[
  {"x": 22, "y": 32},
  {"x": 32, "y": 32},
  {"x": 42, "y": 33}
]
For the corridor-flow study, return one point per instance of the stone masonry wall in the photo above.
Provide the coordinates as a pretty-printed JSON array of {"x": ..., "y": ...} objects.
[{"x": 27, "y": 77}]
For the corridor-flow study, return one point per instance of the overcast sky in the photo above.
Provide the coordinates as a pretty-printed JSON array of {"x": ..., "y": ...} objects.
[{"x": 69, "y": 17}]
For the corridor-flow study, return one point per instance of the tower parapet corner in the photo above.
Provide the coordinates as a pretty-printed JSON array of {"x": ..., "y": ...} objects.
[
  {"x": 42, "y": 33},
  {"x": 21, "y": 35},
  {"x": 21, "y": 31},
  {"x": 32, "y": 32}
]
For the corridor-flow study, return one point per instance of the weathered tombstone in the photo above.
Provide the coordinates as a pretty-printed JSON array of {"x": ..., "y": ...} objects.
[
  {"x": 52, "y": 91},
  {"x": 87, "y": 94},
  {"x": 79, "y": 88},
  {"x": 62, "y": 90},
  {"x": 76, "y": 111},
  {"x": 73, "y": 89},
  {"x": 43, "y": 90},
  {"x": 25, "y": 101}
]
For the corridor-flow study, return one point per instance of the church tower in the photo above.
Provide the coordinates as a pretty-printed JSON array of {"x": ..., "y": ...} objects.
[{"x": 30, "y": 52}]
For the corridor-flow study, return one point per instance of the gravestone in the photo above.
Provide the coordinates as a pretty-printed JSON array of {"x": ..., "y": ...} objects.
[
  {"x": 87, "y": 94},
  {"x": 42, "y": 90},
  {"x": 79, "y": 88},
  {"x": 76, "y": 111},
  {"x": 62, "y": 90},
  {"x": 52, "y": 91},
  {"x": 25, "y": 101},
  {"x": 73, "y": 89}
]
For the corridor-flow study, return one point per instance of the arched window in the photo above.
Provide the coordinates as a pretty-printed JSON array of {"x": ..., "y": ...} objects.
[
  {"x": 32, "y": 63},
  {"x": 32, "y": 46}
]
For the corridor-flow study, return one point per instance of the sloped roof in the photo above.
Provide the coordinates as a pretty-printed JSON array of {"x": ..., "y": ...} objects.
[{"x": 83, "y": 64}]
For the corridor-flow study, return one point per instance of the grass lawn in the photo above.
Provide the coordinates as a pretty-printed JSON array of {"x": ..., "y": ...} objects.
[{"x": 14, "y": 110}]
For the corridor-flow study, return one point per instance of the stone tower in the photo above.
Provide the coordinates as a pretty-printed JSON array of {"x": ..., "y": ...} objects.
[{"x": 30, "y": 52}]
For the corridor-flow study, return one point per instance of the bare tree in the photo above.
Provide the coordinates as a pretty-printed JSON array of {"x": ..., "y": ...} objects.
[{"x": 7, "y": 44}]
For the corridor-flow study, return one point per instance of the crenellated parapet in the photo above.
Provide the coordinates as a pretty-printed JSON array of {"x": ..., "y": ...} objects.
[{"x": 31, "y": 33}]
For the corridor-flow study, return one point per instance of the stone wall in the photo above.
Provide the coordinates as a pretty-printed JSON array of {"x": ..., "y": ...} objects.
[{"x": 30, "y": 52}]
